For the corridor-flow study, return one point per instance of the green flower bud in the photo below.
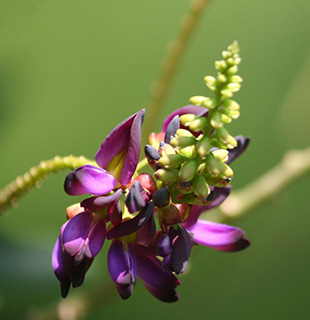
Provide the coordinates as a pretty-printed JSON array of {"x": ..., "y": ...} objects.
[
  {"x": 221, "y": 154},
  {"x": 184, "y": 133},
  {"x": 235, "y": 79},
  {"x": 226, "y": 54},
  {"x": 183, "y": 142},
  {"x": 220, "y": 65},
  {"x": 211, "y": 82},
  {"x": 231, "y": 104},
  {"x": 216, "y": 120},
  {"x": 166, "y": 175},
  {"x": 197, "y": 100},
  {"x": 226, "y": 171},
  {"x": 201, "y": 188},
  {"x": 185, "y": 187},
  {"x": 225, "y": 119},
  {"x": 213, "y": 165},
  {"x": 232, "y": 70},
  {"x": 188, "y": 170},
  {"x": 185, "y": 119},
  {"x": 226, "y": 138},
  {"x": 233, "y": 114},
  {"x": 171, "y": 161},
  {"x": 226, "y": 93},
  {"x": 234, "y": 87},
  {"x": 166, "y": 150},
  {"x": 210, "y": 103},
  {"x": 222, "y": 78},
  {"x": 203, "y": 146},
  {"x": 188, "y": 152},
  {"x": 198, "y": 124}
]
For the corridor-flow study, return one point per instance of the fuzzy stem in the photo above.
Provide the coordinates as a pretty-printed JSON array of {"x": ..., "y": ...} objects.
[
  {"x": 176, "y": 49},
  {"x": 10, "y": 194},
  {"x": 294, "y": 165}
]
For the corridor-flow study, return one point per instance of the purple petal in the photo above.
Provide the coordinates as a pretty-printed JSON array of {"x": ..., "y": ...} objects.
[
  {"x": 137, "y": 198},
  {"x": 130, "y": 226},
  {"x": 89, "y": 179},
  {"x": 163, "y": 295},
  {"x": 76, "y": 272},
  {"x": 164, "y": 246},
  {"x": 220, "y": 195},
  {"x": 101, "y": 202},
  {"x": 191, "y": 109},
  {"x": 182, "y": 244},
  {"x": 219, "y": 236},
  {"x": 83, "y": 236},
  {"x": 120, "y": 151},
  {"x": 59, "y": 269},
  {"x": 151, "y": 273},
  {"x": 122, "y": 267},
  {"x": 172, "y": 128},
  {"x": 234, "y": 153},
  {"x": 147, "y": 232}
]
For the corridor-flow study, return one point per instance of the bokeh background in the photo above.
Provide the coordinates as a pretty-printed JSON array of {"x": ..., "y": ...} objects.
[{"x": 71, "y": 70}]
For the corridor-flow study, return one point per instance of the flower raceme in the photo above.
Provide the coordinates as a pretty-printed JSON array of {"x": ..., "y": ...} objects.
[{"x": 190, "y": 159}]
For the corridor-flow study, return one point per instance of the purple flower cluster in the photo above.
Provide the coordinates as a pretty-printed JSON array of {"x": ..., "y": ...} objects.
[{"x": 123, "y": 207}]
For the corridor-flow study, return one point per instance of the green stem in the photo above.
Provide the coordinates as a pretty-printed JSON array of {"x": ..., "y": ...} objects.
[
  {"x": 295, "y": 165},
  {"x": 176, "y": 49},
  {"x": 12, "y": 192}
]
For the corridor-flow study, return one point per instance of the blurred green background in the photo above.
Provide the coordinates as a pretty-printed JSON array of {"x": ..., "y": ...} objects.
[{"x": 71, "y": 70}]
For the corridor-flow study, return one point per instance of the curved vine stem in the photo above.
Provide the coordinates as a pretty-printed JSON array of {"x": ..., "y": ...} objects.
[
  {"x": 10, "y": 194},
  {"x": 176, "y": 49}
]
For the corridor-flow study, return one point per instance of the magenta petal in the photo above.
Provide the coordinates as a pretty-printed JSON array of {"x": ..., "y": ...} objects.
[
  {"x": 191, "y": 109},
  {"x": 89, "y": 179},
  {"x": 83, "y": 236},
  {"x": 120, "y": 151},
  {"x": 220, "y": 195},
  {"x": 219, "y": 236}
]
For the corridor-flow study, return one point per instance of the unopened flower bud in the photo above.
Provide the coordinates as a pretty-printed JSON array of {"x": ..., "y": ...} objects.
[
  {"x": 169, "y": 216},
  {"x": 216, "y": 120},
  {"x": 167, "y": 175},
  {"x": 184, "y": 138},
  {"x": 235, "y": 79},
  {"x": 188, "y": 170},
  {"x": 203, "y": 146},
  {"x": 220, "y": 65},
  {"x": 226, "y": 138},
  {"x": 198, "y": 124},
  {"x": 197, "y": 100},
  {"x": 165, "y": 149},
  {"x": 225, "y": 119},
  {"x": 171, "y": 161},
  {"x": 185, "y": 186},
  {"x": 210, "y": 103},
  {"x": 201, "y": 188},
  {"x": 221, "y": 154},
  {"x": 211, "y": 82},
  {"x": 231, "y": 104},
  {"x": 232, "y": 70},
  {"x": 188, "y": 152},
  {"x": 162, "y": 198},
  {"x": 222, "y": 78},
  {"x": 185, "y": 119}
]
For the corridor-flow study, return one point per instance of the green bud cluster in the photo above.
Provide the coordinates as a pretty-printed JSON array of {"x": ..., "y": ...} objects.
[{"x": 197, "y": 154}]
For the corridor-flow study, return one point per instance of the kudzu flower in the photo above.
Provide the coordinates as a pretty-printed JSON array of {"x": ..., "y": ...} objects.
[{"x": 191, "y": 159}]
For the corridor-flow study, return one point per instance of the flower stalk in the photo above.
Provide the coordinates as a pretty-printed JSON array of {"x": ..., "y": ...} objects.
[{"x": 10, "y": 194}]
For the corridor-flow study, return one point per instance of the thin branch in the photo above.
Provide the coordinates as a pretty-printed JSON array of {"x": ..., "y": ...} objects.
[
  {"x": 10, "y": 194},
  {"x": 294, "y": 165},
  {"x": 176, "y": 49}
]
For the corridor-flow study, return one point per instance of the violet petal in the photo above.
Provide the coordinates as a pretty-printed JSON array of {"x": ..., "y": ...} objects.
[
  {"x": 169, "y": 295},
  {"x": 89, "y": 179},
  {"x": 172, "y": 128},
  {"x": 151, "y": 273},
  {"x": 130, "y": 226},
  {"x": 219, "y": 236},
  {"x": 101, "y": 202},
  {"x": 137, "y": 197},
  {"x": 120, "y": 151},
  {"x": 83, "y": 236},
  {"x": 122, "y": 267}
]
